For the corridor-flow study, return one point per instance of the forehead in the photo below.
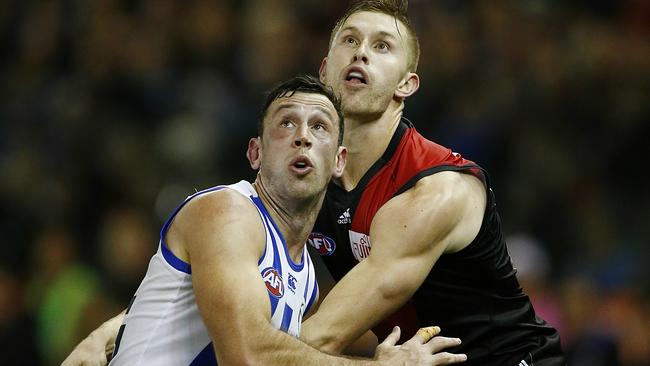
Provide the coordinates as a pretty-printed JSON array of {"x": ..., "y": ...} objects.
[
  {"x": 368, "y": 21},
  {"x": 303, "y": 103}
]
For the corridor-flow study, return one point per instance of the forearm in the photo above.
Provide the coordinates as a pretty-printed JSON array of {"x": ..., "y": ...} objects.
[
  {"x": 403, "y": 253},
  {"x": 97, "y": 347},
  {"x": 358, "y": 302},
  {"x": 278, "y": 348},
  {"x": 107, "y": 332},
  {"x": 332, "y": 330},
  {"x": 274, "y": 347}
]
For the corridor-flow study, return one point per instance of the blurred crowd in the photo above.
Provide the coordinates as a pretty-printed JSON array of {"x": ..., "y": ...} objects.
[{"x": 113, "y": 111}]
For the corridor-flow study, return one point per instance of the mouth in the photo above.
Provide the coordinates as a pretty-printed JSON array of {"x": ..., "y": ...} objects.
[
  {"x": 301, "y": 165},
  {"x": 356, "y": 76}
]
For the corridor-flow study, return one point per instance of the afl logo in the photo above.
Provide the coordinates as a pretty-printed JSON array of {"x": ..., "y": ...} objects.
[
  {"x": 323, "y": 244},
  {"x": 273, "y": 281}
]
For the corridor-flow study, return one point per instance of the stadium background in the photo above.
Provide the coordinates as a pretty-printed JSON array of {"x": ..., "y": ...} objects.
[{"x": 112, "y": 111}]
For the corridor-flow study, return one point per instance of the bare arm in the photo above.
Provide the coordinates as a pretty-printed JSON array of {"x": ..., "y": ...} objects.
[
  {"x": 95, "y": 350},
  {"x": 365, "y": 345},
  {"x": 91, "y": 350},
  {"x": 442, "y": 213},
  {"x": 224, "y": 239}
]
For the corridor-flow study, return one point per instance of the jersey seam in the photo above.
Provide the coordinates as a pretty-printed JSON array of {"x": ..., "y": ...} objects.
[{"x": 160, "y": 319}]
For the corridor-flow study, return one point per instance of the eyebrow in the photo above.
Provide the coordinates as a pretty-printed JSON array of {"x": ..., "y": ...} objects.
[
  {"x": 381, "y": 33},
  {"x": 289, "y": 105}
]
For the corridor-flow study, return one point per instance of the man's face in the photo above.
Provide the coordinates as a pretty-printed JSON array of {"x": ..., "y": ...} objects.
[
  {"x": 299, "y": 151},
  {"x": 367, "y": 61}
]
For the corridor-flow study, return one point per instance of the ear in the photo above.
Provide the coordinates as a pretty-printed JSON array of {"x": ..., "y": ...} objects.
[
  {"x": 254, "y": 153},
  {"x": 322, "y": 70},
  {"x": 408, "y": 86},
  {"x": 341, "y": 159}
]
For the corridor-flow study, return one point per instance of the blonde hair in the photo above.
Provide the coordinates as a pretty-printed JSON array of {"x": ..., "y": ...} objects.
[{"x": 395, "y": 8}]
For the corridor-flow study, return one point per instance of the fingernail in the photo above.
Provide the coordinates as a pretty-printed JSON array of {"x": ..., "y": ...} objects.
[
  {"x": 464, "y": 357},
  {"x": 458, "y": 341}
]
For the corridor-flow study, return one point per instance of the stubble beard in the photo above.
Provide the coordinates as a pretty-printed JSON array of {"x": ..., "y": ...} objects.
[
  {"x": 302, "y": 188},
  {"x": 364, "y": 107}
]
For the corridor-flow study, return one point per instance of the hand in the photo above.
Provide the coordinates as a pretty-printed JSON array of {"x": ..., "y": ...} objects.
[
  {"x": 421, "y": 349},
  {"x": 90, "y": 352}
]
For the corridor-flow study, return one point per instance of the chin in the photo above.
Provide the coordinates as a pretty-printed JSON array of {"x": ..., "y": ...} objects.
[
  {"x": 305, "y": 189},
  {"x": 354, "y": 106},
  {"x": 362, "y": 114},
  {"x": 358, "y": 105}
]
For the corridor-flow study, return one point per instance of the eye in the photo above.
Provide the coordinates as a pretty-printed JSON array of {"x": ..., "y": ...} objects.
[
  {"x": 319, "y": 126},
  {"x": 286, "y": 123},
  {"x": 382, "y": 46},
  {"x": 349, "y": 40}
]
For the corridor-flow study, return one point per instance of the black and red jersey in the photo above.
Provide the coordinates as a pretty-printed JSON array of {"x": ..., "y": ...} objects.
[{"x": 472, "y": 294}]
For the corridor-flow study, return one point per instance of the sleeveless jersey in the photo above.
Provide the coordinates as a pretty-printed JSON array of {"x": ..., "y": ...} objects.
[
  {"x": 472, "y": 294},
  {"x": 162, "y": 325}
]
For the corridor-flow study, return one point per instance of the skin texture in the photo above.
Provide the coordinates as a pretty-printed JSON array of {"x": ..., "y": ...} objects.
[
  {"x": 373, "y": 44},
  {"x": 455, "y": 202},
  {"x": 370, "y": 43},
  {"x": 221, "y": 235}
]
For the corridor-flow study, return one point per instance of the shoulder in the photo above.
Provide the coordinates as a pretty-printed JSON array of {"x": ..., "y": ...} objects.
[
  {"x": 451, "y": 203},
  {"x": 218, "y": 218},
  {"x": 452, "y": 187},
  {"x": 455, "y": 201},
  {"x": 217, "y": 205}
]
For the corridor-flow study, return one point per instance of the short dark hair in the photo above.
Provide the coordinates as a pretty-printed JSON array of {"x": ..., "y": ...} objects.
[
  {"x": 304, "y": 84},
  {"x": 398, "y": 9}
]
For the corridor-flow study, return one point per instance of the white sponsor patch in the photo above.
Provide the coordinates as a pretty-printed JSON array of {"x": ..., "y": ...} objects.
[{"x": 360, "y": 244}]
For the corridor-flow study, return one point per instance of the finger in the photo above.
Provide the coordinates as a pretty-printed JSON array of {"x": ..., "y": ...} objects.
[
  {"x": 427, "y": 333},
  {"x": 439, "y": 343},
  {"x": 446, "y": 358},
  {"x": 392, "y": 338}
]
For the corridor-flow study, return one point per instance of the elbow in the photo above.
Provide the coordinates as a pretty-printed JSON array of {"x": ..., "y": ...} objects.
[
  {"x": 321, "y": 339},
  {"x": 257, "y": 349},
  {"x": 236, "y": 351},
  {"x": 243, "y": 357},
  {"x": 394, "y": 290},
  {"x": 329, "y": 345}
]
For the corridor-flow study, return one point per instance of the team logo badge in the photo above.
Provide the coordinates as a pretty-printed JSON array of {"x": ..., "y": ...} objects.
[
  {"x": 273, "y": 281},
  {"x": 345, "y": 218},
  {"x": 323, "y": 244},
  {"x": 291, "y": 283}
]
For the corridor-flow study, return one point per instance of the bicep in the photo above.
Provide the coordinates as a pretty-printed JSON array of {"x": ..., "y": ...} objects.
[
  {"x": 442, "y": 213},
  {"x": 408, "y": 235},
  {"x": 232, "y": 300},
  {"x": 224, "y": 249},
  {"x": 400, "y": 259}
]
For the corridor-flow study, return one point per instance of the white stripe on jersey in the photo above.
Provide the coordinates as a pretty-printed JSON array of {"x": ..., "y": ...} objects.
[{"x": 163, "y": 325}]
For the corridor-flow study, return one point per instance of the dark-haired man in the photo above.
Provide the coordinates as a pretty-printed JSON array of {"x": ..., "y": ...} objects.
[
  {"x": 410, "y": 231},
  {"x": 231, "y": 279}
]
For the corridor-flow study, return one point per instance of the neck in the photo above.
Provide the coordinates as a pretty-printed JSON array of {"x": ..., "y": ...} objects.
[
  {"x": 294, "y": 217},
  {"x": 366, "y": 141}
]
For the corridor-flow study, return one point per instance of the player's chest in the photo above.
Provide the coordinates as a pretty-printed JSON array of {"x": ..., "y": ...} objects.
[{"x": 342, "y": 230}]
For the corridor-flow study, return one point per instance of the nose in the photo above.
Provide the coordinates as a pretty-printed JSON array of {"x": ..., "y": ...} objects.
[
  {"x": 361, "y": 54},
  {"x": 302, "y": 138},
  {"x": 302, "y": 142}
]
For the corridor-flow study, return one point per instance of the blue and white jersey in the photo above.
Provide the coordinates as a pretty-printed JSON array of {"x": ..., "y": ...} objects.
[{"x": 162, "y": 325}]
